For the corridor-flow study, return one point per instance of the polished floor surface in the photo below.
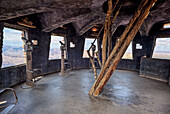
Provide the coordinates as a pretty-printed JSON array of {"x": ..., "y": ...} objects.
[{"x": 125, "y": 93}]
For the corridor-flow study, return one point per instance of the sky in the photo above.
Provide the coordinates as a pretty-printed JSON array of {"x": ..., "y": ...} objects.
[
  {"x": 162, "y": 45},
  {"x": 12, "y": 37},
  {"x": 88, "y": 42},
  {"x": 55, "y": 41},
  {"x": 167, "y": 25}
]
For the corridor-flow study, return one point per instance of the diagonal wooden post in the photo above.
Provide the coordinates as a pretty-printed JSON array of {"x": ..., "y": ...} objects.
[
  {"x": 110, "y": 29},
  {"x": 93, "y": 58},
  {"x": 122, "y": 37},
  {"x": 93, "y": 65},
  {"x": 106, "y": 29},
  {"x": 125, "y": 45},
  {"x": 97, "y": 55},
  {"x": 109, "y": 36}
]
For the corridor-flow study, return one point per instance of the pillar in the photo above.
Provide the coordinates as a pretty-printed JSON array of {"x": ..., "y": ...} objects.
[
  {"x": 40, "y": 52},
  {"x": 75, "y": 54}
]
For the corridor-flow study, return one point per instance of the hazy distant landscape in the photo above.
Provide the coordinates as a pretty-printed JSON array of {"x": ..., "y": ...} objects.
[
  {"x": 13, "y": 56},
  {"x": 55, "y": 53},
  {"x": 12, "y": 48}
]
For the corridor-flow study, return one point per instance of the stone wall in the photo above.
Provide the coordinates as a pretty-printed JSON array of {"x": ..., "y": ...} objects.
[
  {"x": 127, "y": 64},
  {"x": 11, "y": 76},
  {"x": 74, "y": 54},
  {"x": 17, "y": 74},
  {"x": 41, "y": 51},
  {"x": 157, "y": 69}
]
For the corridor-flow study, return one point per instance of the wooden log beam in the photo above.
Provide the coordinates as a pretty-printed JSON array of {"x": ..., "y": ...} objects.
[
  {"x": 109, "y": 37},
  {"x": 93, "y": 65},
  {"x": 106, "y": 29},
  {"x": 104, "y": 44},
  {"x": 118, "y": 44},
  {"x": 110, "y": 29},
  {"x": 97, "y": 55},
  {"x": 145, "y": 12},
  {"x": 92, "y": 59}
]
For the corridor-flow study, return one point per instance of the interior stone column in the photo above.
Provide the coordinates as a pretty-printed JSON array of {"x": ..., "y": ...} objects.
[
  {"x": 75, "y": 54},
  {"x": 40, "y": 52}
]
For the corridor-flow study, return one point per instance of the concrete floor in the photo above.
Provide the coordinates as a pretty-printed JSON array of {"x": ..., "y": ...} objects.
[{"x": 125, "y": 93}]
